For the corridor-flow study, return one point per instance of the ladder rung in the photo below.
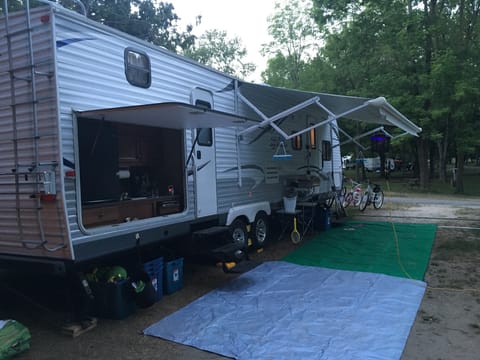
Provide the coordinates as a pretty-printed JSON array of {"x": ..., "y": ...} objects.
[
  {"x": 27, "y": 67},
  {"x": 18, "y": 32},
  {"x": 44, "y": 73},
  {"x": 44, "y": 135},
  {"x": 29, "y": 79},
  {"x": 23, "y": 208},
  {"x": 38, "y": 101}
]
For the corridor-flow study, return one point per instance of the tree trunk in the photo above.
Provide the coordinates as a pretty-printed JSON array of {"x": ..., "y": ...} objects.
[
  {"x": 442, "y": 161},
  {"x": 460, "y": 170},
  {"x": 422, "y": 148}
]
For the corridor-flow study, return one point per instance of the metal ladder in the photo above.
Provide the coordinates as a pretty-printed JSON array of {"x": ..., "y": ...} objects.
[{"x": 32, "y": 178}]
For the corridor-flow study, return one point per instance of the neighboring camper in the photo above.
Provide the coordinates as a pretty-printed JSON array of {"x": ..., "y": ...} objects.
[{"x": 108, "y": 142}]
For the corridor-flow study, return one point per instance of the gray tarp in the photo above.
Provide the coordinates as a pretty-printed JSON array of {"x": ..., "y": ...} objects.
[{"x": 285, "y": 311}]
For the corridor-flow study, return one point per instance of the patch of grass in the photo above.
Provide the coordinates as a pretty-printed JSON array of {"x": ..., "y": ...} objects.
[
  {"x": 457, "y": 248},
  {"x": 460, "y": 245},
  {"x": 398, "y": 182}
]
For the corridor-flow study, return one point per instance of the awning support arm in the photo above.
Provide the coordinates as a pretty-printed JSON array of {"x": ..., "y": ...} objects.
[
  {"x": 288, "y": 137},
  {"x": 380, "y": 128},
  {"x": 280, "y": 115},
  {"x": 350, "y": 139}
]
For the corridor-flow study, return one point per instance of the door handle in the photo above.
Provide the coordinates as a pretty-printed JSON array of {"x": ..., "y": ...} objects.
[{"x": 199, "y": 154}]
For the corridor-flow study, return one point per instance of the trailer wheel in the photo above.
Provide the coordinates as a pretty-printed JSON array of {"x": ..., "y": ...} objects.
[
  {"x": 239, "y": 234},
  {"x": 260, "y": 230}
]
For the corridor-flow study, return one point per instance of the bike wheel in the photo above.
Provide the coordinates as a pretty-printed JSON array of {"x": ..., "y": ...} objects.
[
  {"x": 329, "y": 202},
  {"x": 340, "y": 209},
  {"x": 364, "y": 201},
  {"x": 357, "y": 197},
  {"x": 378, "y": 199},
  {"x": 347, "y": 200}
]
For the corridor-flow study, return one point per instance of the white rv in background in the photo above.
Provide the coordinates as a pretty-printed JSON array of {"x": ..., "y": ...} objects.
[{"x": 108, "y": 142}]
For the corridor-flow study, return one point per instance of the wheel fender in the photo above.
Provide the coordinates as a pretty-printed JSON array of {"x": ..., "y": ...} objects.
[{"x": 248, "y": 210}]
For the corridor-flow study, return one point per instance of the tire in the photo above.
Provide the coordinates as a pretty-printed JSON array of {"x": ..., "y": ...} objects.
[
  {"x": 347, "y": 200},
  {"x": 239, "y": 233},
  {"x": 378, "y": 199},
  {"x": 329, "y": 202},
  {"x": 340, "y": 209},
  {"x": 260, "y": 230},
  {"x": 357, "y": 197},
  {"x": 364, "y": 202}
]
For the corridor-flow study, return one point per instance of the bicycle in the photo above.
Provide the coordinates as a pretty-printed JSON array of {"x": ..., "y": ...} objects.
[
  {"x": 335, "y": 203},
  {"x": 372, "y": 195},
  {"x": 354, "y": 195}
]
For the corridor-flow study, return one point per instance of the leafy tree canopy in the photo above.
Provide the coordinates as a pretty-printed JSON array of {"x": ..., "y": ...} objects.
[{"x": 215, "y": 49}]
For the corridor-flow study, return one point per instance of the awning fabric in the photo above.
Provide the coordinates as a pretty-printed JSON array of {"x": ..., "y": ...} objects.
[
  {"x": 168, "y": 115},
  {"x": 271, "y": 101},
  {"x": 266, "y": 106}
]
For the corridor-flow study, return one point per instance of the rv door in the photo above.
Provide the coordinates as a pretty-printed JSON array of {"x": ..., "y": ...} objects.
[{"x": 205, "y": 179}]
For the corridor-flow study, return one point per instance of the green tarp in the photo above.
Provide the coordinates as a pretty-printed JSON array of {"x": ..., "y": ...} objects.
[{"x": 380, "y": 247}]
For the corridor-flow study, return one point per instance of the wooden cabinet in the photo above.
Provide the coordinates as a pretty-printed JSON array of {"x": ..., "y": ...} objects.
[
  {"x": 133, "y": 151},
  {"x": 167, "y": 205},
  {"x": 129, "y": 210},
  {"x": 136, "y": 209},
  {"x": 135, "y": 146},
  {"x": 102, "y": 215}
]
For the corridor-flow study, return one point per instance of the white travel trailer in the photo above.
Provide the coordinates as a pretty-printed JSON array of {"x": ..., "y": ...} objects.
[{"x": 108, "y": 142}]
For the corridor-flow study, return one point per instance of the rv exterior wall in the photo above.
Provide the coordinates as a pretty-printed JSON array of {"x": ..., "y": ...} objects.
[
  {"x": 85, "y": 61},
  {"x": 30, "y": 135}
]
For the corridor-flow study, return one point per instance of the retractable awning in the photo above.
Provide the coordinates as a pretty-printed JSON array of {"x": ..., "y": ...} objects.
[
  {"x": 168, "y": 115},
  {"x": 272, "y": 104}
]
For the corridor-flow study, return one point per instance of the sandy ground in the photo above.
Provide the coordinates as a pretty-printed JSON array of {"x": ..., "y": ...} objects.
[{"x": 447, "y": 324}]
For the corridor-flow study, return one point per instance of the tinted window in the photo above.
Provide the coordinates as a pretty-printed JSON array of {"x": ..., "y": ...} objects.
[{"x": 137, "y": 68}]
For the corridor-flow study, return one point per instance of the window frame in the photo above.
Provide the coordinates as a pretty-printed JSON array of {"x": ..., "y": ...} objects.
[
  {"x": 297, "y": 142},
  {"x": 326, "y": 150},
  {"x": 208, "y": 137},
  {"x": 132, "y": 70}
]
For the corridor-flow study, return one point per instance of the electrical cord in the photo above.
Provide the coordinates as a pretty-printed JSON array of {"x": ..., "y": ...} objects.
[{"x": 404, "y": 270}]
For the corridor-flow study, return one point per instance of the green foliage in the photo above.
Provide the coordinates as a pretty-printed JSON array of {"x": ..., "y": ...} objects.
[
  {"x": 145, "y": 19},
  {"x": 13, "y": 5},
  {"x": 215, "y": 49},
  {"x": 421, "y": 55},
  {"x": 295, "y": 39}
]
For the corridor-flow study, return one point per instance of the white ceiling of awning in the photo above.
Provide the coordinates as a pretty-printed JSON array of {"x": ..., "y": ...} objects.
[
  {"x": 168, "y": 115},
  {"x": 271, "y": 101}
]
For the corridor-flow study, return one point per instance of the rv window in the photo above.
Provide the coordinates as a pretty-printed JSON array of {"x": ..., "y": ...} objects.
[
  {"x": 205, "y": 137},
  {"x": 326, "y": 150},
  {"x": 137, "y": 68},
  {"x": 297, "y": 142},
  {"x": 312, "y": 136}
]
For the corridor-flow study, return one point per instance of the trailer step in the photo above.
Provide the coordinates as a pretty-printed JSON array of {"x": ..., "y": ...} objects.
[
  {"x": 214, "y": 230},
  {"x": 228, "y": 253},
  {"x": 239, "y": 268}
]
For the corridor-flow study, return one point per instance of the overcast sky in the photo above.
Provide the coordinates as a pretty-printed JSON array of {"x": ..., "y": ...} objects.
[{"x": 246, "y": 19}]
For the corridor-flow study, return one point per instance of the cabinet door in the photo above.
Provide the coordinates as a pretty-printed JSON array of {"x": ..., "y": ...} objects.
[
  {"x": 136, "y": 209},
  {"x": 127, "y": 150},
  {"x": 100, "y": 216}
]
